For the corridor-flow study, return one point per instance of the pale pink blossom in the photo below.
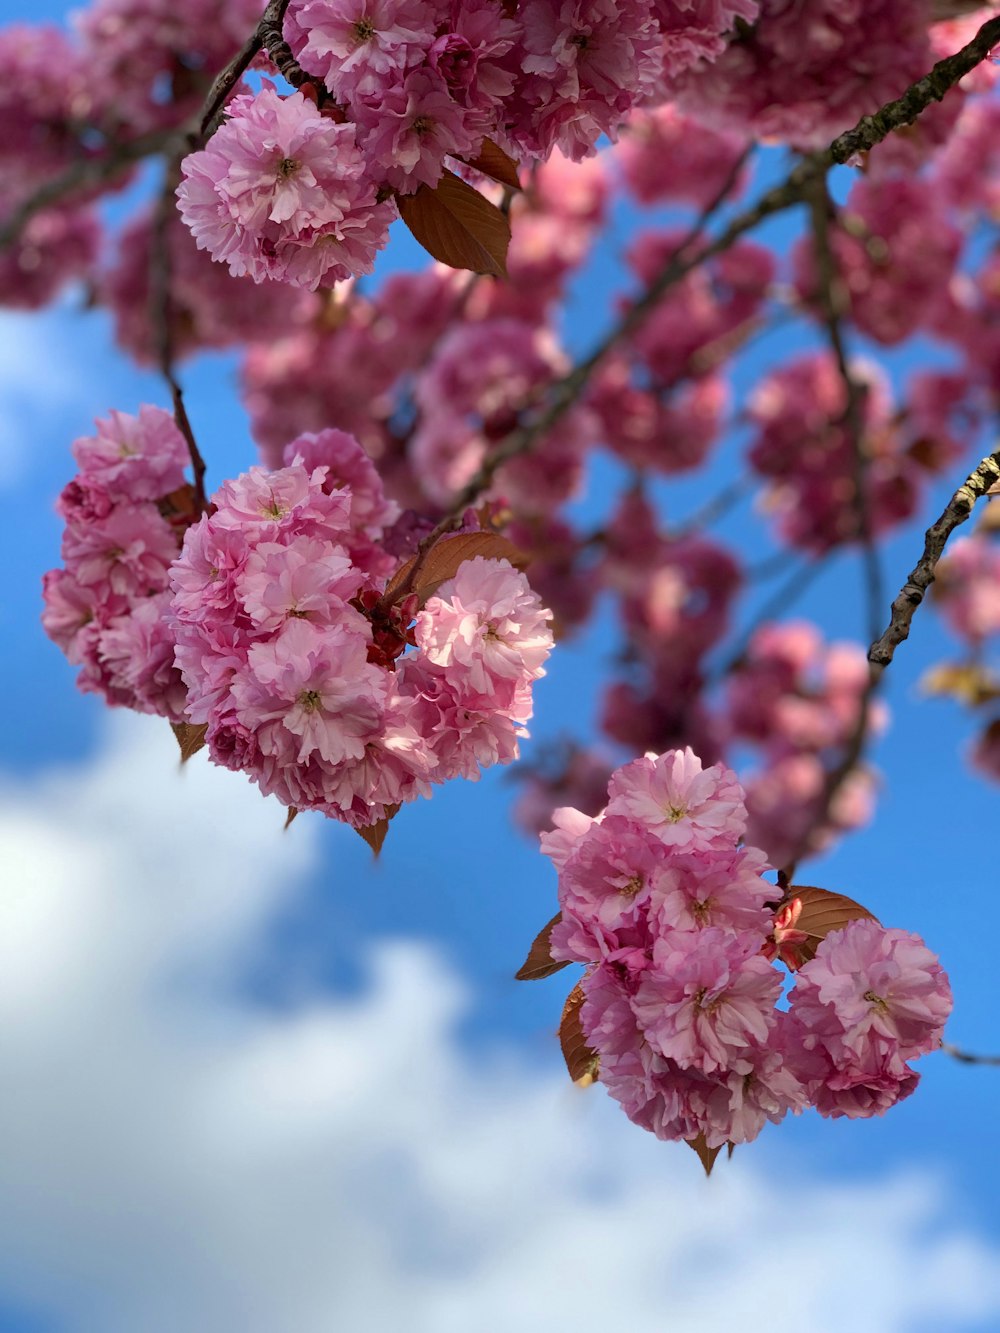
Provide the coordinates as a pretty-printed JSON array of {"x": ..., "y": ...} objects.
[
  {"x": 686, "y": 806},
  {"x": 707, "y": 998},
  {"x": 283, "y": 192}
]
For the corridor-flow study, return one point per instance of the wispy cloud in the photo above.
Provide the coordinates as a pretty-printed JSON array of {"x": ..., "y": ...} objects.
[{"x": 178, "y": 1157}]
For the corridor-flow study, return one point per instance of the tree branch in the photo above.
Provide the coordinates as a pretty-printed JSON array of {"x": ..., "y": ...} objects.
[
  {"x": 87, "y": 174},
  {"x": 920, "y": 578},
  {"x": 968, "y": 1057},
  {"x": 162, "y": 324},
  {"x": 869, "y": 131}
]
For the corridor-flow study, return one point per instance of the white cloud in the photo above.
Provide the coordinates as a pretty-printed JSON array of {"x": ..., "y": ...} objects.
[{"x": 177, "y": 1159}]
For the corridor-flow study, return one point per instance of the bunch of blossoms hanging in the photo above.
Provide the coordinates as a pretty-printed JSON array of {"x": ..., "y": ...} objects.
[
  {"x": 297, "y": 188},
  {"x": 294, "y": 653},
  {"x": 677, "y": 1013},
  {"x": 291, "y": 651},
  {"x": 126, "y": 513}
]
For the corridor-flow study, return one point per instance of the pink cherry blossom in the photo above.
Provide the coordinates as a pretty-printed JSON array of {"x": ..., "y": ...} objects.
[
  {"x": 283, "y": 192},
  {"x": 708, "y": 997},
  {"x": 686, "y": 806}
]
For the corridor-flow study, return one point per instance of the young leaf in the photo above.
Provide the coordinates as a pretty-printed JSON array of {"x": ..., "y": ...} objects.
[
  {"x": 494, "y": 162},
  {"x": 374, "y": 834},
  {"x": 822, "y": 913},
  {"x": 458, "y": 226},
  {"x": 539, "y": 962},
  {"x": 190, "y": 738},
  {"x": 706, "y": 1155},
  {"x": 444, "y": 557},
  {"x": 581, "y": 1060}
]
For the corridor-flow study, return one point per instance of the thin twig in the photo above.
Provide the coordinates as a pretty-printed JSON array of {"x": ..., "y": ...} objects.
[
  {"x": 920, "y": 578},
  {"x": 84, "y": 175},
  {"x": 782, "y": 599},
  {"x": 968, "y": 1057},
  {"x": 868, "y": 132},
  {"x": 566, "y": 391},
  {"x": 161, "y": 320},
  {"x": 225, "y": 82},
  {"x": 835, "y": 304},
  {"x": 720, "y": 503}
]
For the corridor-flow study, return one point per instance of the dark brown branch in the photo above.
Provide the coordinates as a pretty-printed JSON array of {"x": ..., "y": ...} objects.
[
  {"x": 920, "y": 578},
  {"x": 223, "y": 85},
  {"x": 968, "y": 1057},
  {"x": 161, "y": 319},
  {"x": 566, "y": 392},
  {"x": 82, "y": 176},
  {"x": 869, "y": 131},
  {"x": 835, "y": 306}
]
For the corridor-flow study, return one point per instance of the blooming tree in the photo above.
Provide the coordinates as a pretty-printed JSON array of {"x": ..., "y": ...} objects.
[{"x": 363, "y": 612}]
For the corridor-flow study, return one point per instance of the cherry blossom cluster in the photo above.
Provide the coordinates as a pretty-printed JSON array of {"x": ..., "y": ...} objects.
[
  {"x": 678, "y": 931},
  {"x": 798, "y": 701},
  {"x": 427, "y": 80},
  {"x": 125, "y": 512},
  {"x": 803, "y": 447},
  {"x": 675, "y": 597},
  {"x": 297, "y": 663}
]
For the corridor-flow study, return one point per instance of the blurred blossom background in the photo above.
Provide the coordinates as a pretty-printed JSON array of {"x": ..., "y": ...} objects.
[{"x": 252, "y": 1080}]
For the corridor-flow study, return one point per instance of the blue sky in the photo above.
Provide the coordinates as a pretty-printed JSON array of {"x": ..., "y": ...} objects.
[{"x": 256, "y": 1081}]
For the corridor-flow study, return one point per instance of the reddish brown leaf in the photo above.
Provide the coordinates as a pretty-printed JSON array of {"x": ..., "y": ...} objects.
[
  {"x": 706, "y": 1155},
  {"x": 293, "y": 810},
  {"x": 444, "y": 557},
  {"x": 374, "y": 834},
  {"x": 539, "y": 962},
  {"x": 822, "y": 913},
  {"x": 494, "y": 162},
  {"x": 458, "y": 226},
  {"x": 190, "y": 738},
  {"x": 182, "y": 501},
  {"x": 581, "y": 1060}
]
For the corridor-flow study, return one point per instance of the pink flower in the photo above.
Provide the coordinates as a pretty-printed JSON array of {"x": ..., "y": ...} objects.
[
  {"x": 134, "y": 458},
  {"x": 317, "y": 684},
  {"x": 486, "y": 628},
  {"x": 306, "y": 579},
  {"x": 873, "y": 988},
  {"x": 570, "y": 827},
  {"x": 715, "y": 886},
  {"x": 686, "y": 807},
  {"x": 708, "y": 997},
  {"x": 412, "y": 127},
  {"x": 282, "y": 192},
  {"x": 359, "y": 47},
  {"x": 128, "y": 553},
  {"x": 607, "y": 880}
]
